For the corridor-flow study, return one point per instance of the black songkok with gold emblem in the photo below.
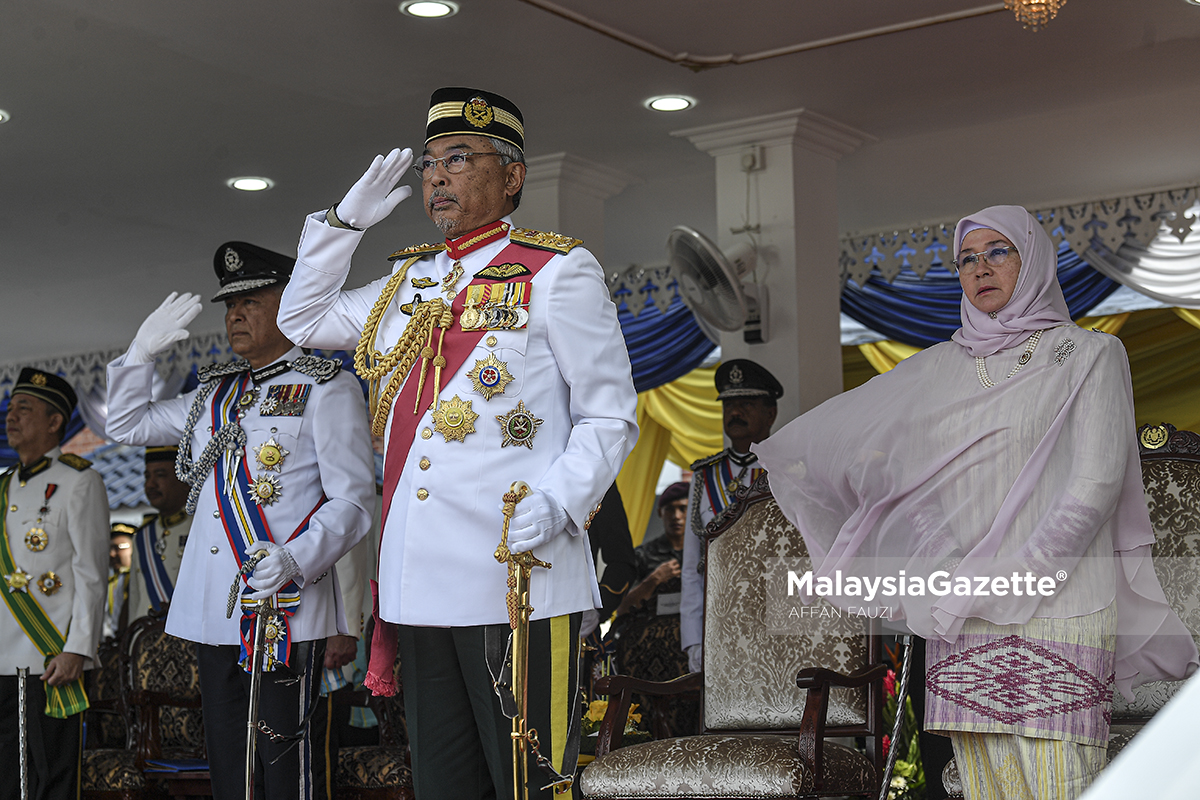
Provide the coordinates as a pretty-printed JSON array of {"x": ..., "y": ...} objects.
[
  {"x": 49, "y": 387},
  {"x": 243, "y": 267},
  {"x": 456, "y": 111},
  {"x": 741, "y": 377}
]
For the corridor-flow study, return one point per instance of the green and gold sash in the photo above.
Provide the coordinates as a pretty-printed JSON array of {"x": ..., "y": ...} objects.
[{"x": 61, "y": 701}]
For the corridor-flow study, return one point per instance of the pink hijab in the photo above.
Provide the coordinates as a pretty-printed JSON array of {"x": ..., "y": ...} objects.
[{"x": 1037, "y": 302}]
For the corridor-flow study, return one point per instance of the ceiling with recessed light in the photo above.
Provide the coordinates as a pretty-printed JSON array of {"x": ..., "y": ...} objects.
[{"x": 129, "y": 118}]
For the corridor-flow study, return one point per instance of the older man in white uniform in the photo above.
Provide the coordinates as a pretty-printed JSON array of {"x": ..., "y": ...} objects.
[
  {"x": 276, "y": 449},
  {"x": 496, "y": 357},
  {"x": 54, "y": 558}
]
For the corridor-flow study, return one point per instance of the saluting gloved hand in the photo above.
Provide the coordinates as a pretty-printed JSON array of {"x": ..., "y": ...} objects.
[
  {"x": 373, "y": 197},
  {"x": 273, "y": 571},
  {"x": 538, "y": 519},
  {"x": 166, "y": 325}
]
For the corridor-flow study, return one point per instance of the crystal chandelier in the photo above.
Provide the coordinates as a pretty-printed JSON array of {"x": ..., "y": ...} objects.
[{"x": 1034, "y": 14}]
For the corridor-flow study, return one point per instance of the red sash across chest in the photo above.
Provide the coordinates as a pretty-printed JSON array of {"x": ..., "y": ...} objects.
[{"x": 457, "y": 345}]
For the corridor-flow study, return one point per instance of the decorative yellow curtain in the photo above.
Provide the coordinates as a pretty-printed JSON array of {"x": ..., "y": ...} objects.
[{"x": 679, "y": 421}]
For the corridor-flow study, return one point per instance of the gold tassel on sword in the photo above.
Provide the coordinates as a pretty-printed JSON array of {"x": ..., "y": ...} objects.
[{"x": 520, "y": 565}]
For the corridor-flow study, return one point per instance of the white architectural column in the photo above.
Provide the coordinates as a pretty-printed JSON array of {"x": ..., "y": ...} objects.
[
  {"x": 784, "y": 168},
  {"x": 565, "y": 194}
]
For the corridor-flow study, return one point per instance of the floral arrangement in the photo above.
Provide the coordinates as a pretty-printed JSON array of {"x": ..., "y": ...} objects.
[{"x": 595, "y": 715}]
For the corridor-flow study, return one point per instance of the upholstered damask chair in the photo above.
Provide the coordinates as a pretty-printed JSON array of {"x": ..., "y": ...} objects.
[
  {"x": 164, "y": 681},
  {"x": 383, "y": 771},
  {"x": 1171, "y": 478},
  {"x": 107, "y": 770},
  {"x": 773, "y": 690}
]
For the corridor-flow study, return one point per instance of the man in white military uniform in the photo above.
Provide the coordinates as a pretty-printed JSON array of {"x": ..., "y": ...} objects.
[
  {"x": 277, "y": 453},
  {"x": 54, "y": 556},
  {"x": 159, "y": 542},
  {"x": 748, "y": 394},
  {"x": 496, "y": 357}
]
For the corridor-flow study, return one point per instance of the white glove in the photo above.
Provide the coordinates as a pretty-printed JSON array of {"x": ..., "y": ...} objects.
[
  {"x": 538, "y": 519},
  {"x": 372, "y": 198},
  {"x": 273, "y": 571},
  {"x": 695, "y": 654},
  {"x": 166, "y": 325}
]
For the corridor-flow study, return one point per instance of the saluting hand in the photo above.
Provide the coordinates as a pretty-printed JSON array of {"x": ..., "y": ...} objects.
[
  {"x": 166, "y": 325},
  {"x": 373, "y": 197}
]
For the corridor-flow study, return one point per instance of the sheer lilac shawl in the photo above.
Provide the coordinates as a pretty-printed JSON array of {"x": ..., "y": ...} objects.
[{"x": 922, "y": 468}]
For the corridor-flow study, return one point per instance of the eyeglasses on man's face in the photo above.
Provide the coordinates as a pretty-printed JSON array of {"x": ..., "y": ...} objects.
[
  {"x": 993, "y": 257},
  {"x": 454, "y": 163}
]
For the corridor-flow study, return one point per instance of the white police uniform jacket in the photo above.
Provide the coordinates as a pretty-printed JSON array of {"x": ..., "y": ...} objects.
[
  {"x": 70, "y": 573},
  {"x": 569, "y": 368},
  {"x": 169, "y": 542},
  {"x": 328, "y": 452},
  {"x": 710, "y": 493}
]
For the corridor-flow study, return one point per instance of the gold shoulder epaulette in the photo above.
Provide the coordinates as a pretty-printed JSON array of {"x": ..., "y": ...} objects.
[
  {"x": 704, "y": 462},
  {"x": 75, "y": 462},
  {"x": 555, "y": 242},
  {"x": 417, "y": 250},
  {"x": 147, "y": 518}
]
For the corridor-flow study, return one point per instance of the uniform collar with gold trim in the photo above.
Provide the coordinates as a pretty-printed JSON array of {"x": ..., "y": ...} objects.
[
  {"x": 457, "y": 248},
  {"x": 24, "y": 473},
  {"x": 171, "y": 520}
]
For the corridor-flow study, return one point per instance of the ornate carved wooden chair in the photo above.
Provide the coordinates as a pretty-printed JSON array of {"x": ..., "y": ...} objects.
[
  {"x": 108, "y": 771},
  {"x": 773, "y": 692},
  {"x": 164, "y": 682}
]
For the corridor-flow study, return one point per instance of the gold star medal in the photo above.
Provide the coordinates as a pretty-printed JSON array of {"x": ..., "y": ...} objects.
[
  {"x": 248, "y": 397},
  {"x": 49, "y": 583},
  {"x": 270, "y": 454},
  {"x": 519, "y": 426},
  {"x": 18, "y": 581},
  {"x": 271, "y": 630},
  {"x": 454, "y": 419},
  {"x": 489, "y": 376},
  {"x": 265, "y": 490},
  {"x": 36, "y": 540}
]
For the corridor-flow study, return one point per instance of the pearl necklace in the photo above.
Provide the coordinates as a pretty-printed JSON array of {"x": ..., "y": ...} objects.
[{"x": 981, "y": 367}]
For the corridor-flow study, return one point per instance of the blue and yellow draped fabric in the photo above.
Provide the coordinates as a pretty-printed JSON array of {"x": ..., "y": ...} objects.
[
  {"x": 679, "y": 421},
  {"x": 923, "y": 311}
]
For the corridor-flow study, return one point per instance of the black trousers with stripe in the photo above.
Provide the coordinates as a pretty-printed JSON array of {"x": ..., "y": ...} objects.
[
  {"x": 285, "y": 769},
  {"x": 461, "y": 741},
  {"x": 52, "y": 747}
]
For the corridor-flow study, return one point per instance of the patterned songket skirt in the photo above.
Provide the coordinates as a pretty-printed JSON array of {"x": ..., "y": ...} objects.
[{"x": 1027, "y": 706}]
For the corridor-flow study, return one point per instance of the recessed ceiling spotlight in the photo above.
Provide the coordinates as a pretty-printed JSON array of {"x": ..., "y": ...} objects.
[
  {"x": 670, "y": 102},
  {"x": 429, "y": 10},
  {"x": 249, "y": 183},
  {"x": 4, "y": 116}
]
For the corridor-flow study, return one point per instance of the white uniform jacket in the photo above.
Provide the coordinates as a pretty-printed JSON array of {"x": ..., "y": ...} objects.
[
  {"x": 571, "y": 370},
  {"x": 170, "y": 541},
  {"x": 329, "y": 451},
  {"x": 709, "y": 493},
  {"x": 77, "y": 533}
]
